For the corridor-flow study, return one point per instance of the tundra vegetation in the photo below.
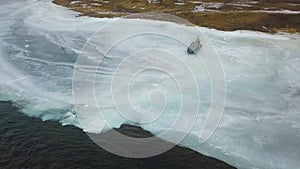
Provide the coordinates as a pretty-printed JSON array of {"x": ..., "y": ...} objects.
[{"x": 260, "y": 15}]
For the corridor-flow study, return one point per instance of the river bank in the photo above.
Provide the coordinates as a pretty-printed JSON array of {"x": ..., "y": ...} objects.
[{"x": 264, "y": 15}]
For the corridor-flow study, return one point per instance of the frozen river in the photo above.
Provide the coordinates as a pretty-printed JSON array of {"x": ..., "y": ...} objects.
[{"x": 259, "y": 127}]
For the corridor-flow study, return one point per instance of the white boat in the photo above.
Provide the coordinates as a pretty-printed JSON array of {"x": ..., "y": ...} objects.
[{"x": 195, "y": 46}]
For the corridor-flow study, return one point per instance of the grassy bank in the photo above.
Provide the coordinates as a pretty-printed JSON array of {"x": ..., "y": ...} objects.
[{"x": 261, "y": 15}]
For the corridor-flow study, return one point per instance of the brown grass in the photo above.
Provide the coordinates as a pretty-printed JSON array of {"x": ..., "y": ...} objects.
[{"x": 229, "y": 18}]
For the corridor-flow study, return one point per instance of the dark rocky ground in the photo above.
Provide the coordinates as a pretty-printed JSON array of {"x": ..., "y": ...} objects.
[{"x": 27, "y": 142}]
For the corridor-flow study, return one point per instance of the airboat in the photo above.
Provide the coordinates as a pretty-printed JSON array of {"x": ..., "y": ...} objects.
[{"x": 195, "y": 46}]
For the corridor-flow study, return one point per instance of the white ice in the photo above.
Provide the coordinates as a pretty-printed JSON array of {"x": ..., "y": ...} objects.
[{"x": 260, "y": 126}]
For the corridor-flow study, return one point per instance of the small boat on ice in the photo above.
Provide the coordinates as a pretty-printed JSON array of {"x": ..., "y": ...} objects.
[{"x": 195, "y": 46}]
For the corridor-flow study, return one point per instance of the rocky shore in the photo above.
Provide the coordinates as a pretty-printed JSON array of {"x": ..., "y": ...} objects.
[{"x": 260, "y": 15}]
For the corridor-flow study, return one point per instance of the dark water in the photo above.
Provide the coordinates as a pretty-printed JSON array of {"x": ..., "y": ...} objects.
[{"x": 30, "y": 143}]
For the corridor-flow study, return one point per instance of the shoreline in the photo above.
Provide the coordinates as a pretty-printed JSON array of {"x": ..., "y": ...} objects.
[
  {"x": 31, "y": 143},
  {"x": 282, "y": 16}
]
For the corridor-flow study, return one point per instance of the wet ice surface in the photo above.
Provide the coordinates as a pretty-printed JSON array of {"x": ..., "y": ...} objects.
[{"x": 40, "y": 43}]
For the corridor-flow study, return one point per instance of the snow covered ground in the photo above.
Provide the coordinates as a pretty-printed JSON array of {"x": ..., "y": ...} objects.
[{"x": 260, "y": 127}]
